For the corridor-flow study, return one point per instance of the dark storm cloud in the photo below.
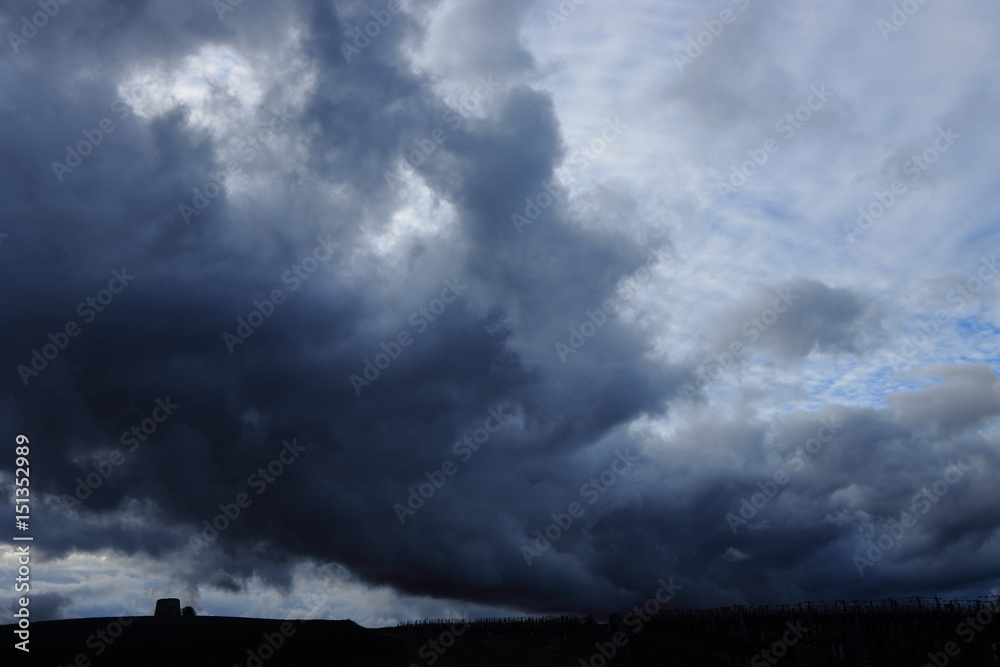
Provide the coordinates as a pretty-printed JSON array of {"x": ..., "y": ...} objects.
[
  {"x": 357, "y": 450},
  {"x": 159, "y": 338},
  {"x": 867, "y": 467}
]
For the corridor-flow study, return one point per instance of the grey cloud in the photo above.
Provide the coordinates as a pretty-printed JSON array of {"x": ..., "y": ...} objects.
[{"x": 802, "y": 316}]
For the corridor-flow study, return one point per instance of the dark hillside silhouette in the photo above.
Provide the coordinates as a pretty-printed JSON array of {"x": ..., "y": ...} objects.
[
  {"x": 208, "y": 641},
  {"x": 962, "y": 633}
]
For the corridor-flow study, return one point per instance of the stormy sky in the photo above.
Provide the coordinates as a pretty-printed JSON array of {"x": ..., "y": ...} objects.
[{"x": 392, "y": 310}]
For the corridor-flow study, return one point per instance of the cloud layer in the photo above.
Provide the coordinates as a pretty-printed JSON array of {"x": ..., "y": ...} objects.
[{"x": 496, "y": 308}]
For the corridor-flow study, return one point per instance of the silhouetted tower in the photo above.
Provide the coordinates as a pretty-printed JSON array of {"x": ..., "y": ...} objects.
[{"x": 168, "y": 608}]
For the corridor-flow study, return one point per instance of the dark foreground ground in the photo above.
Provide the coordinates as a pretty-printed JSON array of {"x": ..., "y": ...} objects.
[{"x": 934, "y": 633}]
